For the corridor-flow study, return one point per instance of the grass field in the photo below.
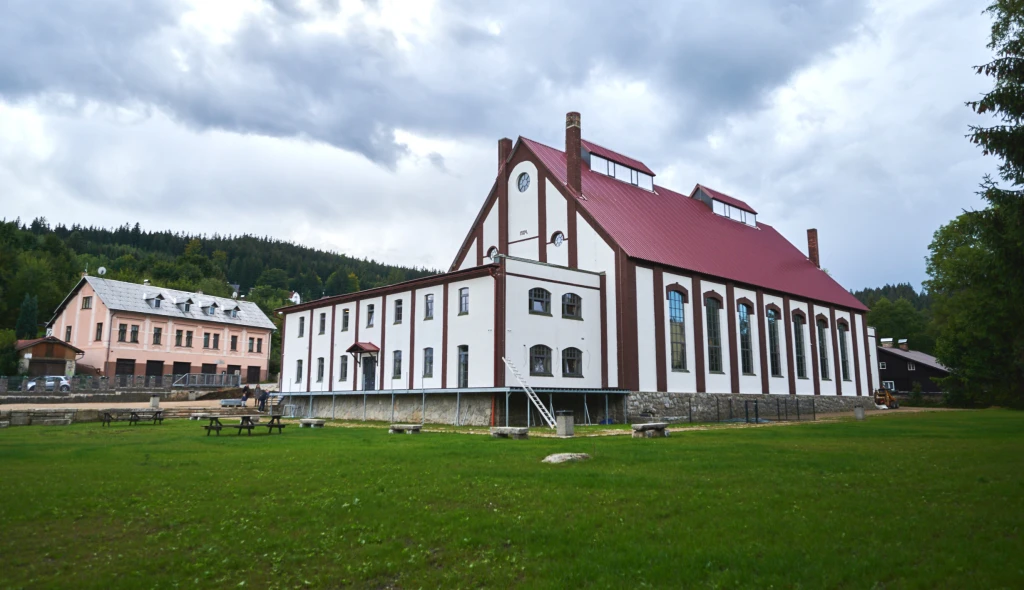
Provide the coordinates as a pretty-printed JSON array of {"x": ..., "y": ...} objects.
[{"x": 915, "y": 500}]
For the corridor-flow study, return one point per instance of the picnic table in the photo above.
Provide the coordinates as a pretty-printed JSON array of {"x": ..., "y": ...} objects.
[
  {"x": 134, "y": 416},
  {"x": 246, "y": 422}
]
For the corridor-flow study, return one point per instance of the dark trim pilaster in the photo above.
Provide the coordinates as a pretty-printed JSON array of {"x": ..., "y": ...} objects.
[
  {"x": 573, "y": 237},
  {"x": 790, "y": 346},
  {"x": 762, "y": 340},
  {"x": 542, "y": 220},
  {"x": 856, "y": 354},
  {"x": 356, "y": 366},
  {"x": 838, "y": 362},
  {"x": 330, "y": 371},
  {"x": 812, "y": 328},
  {"x": 383, "y": 339},
  {"x": 698, "y": 336},
  {"x": 604, "y": 331},
  {"x": 412, "y": 340},
  {"x": 867, "y": 352},
  {"x": 444, "y": 330},
  {"x": 734, "y": 366},
  {"x": 659, "y": 330},
  {"x": 499, "y": 324}
]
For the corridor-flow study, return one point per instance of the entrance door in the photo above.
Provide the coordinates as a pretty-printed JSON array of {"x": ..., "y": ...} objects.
[
  {"x": 253, "y": 375},
  {"x": 181, "y": 368},
  {"x": 154, "y": 368},
  {"x": 124, "y": 369},
  {"x": 210, "y": 368},
  {"x": 369, "y": 373}
]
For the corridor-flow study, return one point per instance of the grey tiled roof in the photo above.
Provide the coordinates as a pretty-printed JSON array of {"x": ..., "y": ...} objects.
[
  {"x": 132, "y": 297},
  {"x": 916, "y": 356}
]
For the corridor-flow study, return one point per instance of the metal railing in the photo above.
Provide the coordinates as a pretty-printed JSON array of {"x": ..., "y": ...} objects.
[{"x": 86, "y": 384}]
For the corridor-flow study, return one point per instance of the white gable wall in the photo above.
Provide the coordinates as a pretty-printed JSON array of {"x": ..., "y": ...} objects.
[
  {"x": 556, "y": 215},
  {"x": 594, "y": 254},
  {"x": 646, "y": 343}
]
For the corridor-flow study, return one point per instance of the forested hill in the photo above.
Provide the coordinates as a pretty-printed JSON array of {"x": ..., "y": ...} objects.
[{"x": 45, "y": 262}]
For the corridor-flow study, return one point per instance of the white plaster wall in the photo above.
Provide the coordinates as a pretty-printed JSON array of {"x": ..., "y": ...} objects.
[
  {"x": 862, "y": 354},
  {"x": 475, "y": 329},
  {"x": 804, "y": 386},
  {"x": 491, "y": 229},
  {"x": 470, "y": 260},
  {"x": 524, "y": 330},
  {"x": 778, "y": 384},
  {"x": 321, "y": 348},
  {"x": 294, "y": 348},
  {"x": 594, "y": 254},
  {"x": 749, "y": 383},
  {"x": 342, "y": 342},
  {"x": 397, "y": 339},
  {"x": 828, "y": 387},
  {"x": 680, "y": 381},
  {"x": 557, "y": 221},
  {"x": 717, "y": 382},
  {"x": 428, "y": 334},
  {"x": 522, "y": 210},
  {"x": 873, "y": 346},
  {"x": 369, "y": 333},
  {"x": 526, "y": 249},
  {"x": 646, "y": 345}
]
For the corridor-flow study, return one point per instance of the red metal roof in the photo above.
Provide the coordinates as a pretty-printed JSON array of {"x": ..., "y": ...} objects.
[
  {"x": 724, "y": 198},
  {"x": 616, "y": 157},
  {"x": 669, "y": 228}
]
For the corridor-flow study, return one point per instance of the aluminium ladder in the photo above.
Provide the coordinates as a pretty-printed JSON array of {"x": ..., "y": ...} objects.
[{"x": 544, "y": 412}]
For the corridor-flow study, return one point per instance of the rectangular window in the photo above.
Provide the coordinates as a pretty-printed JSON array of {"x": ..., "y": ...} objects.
[
  {"x": 463, "y": 366},
  {"x": 99, "y": 331},
  {"x": 463, "y": 300},
  {"x": 67, "y": 334},
  {"x": 881, "y": 365},
  {"x": 259, "y": 345},
  {"x": 428, "y": 307},
  {"x": 822, "y": 350},
  {"x": 844, "y": 361},
  {"x": 323, "y": 323},
  {"x": 798, "y": 340},
  {"x": 891, "y": 386},
  {"x": 234, "y": 342},
  {"x": 177, "y": 338},
  {"x": 135, "y": 334},
  {"x": 343, "y": 368},
  {"x": 302, "y": 326},
  {"x": 216, "y": 340},
  {"x": 774, "y": 358},
  {"x": 677, "y": 330},
  {"x": 320, "y": 370},
  {"x": 712, "y": 306},
  {"x": 746, "y": 346},
  {"x": 396, "y": 365},
  {"x": 188, "y": 339},
  {"x": 572, "y": 306},
  {"x": 158, "y": 334},
  {"x": 298, "y": 371},
  {"x": 122, "y": 332},
  {"x": 86, "y": 302},
  {"x": 398, "y": 311},
  {"x": 428, "y": 362},
  {"x": 156, "y": 302},
  {"x": 369, "y": 316},
  {"x": 911, "y": 367},
  {"x": 252, "y": 344},
  {"x": 206, "y": 340},
  {"x": 344, "y": 321},
  {"x": 540, "y": 301}
]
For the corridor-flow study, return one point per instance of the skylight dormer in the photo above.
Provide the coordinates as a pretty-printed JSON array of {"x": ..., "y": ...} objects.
[
  {"x": 726, "y": 206},
  {"x": 609, "y": 163},
  {"x": 153, "y": 299}
]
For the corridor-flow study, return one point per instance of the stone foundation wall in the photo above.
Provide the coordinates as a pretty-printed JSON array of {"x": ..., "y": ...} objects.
[
  {"x": 713, "y": 407},
  {"x": 469, "y": 409},
  {"x": 136, "y": 396}
]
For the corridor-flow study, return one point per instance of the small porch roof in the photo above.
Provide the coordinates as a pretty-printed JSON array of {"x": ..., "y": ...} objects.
[{"x": 363, "y": 347}]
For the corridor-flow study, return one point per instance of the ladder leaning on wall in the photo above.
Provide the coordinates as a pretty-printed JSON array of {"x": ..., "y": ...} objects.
[{"x": 544, "y": 412}]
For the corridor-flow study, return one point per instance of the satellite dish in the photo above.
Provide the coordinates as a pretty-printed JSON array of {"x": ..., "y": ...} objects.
[{"x": 101, "y": 270}]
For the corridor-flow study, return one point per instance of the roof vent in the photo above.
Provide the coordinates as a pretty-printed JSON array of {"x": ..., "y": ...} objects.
[{"x": 145, "y": 282}]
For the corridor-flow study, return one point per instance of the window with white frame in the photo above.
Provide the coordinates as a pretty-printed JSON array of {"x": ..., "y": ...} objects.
[
  {"x": 911, "y": 366},
  {"x": 881, "y": 365},
  {"x": 463, "y": 300},
  {"x": 428, "y": 306},
  {"x": 298, "y": 371}
]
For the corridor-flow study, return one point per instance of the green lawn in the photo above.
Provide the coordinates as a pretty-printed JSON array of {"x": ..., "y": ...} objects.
[{"x": 913, "y": 500}]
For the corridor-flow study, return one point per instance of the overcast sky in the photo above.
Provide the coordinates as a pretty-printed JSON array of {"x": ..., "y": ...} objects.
[{"x": 371, "y": 128}]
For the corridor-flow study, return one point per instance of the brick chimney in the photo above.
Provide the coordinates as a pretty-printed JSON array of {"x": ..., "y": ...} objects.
[
  {"x": 573, "y": 146},
  {"x": 504, "y": 151},
  {"x": 903, "y": 344},
  {"x": 812, "y": 247}
]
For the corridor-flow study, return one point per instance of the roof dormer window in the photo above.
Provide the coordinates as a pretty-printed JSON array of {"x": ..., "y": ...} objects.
[
  {"x": 621, "y": 172},
  {"x": 153, "y": 299},
  {"x": 726, "y": 206},
  {"x": 232, "y": 312},
  {"x": 211, "y": 309}
]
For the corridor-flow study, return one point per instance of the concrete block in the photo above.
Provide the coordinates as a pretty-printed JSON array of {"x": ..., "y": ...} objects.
[
  {"x": 404, "y": 428},
  {"x": 513, "y": 432}
]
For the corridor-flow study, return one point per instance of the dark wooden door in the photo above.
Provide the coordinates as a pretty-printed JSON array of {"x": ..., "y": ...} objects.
[
  {"x": 209, "y": 368},
  {"x": 154, "y": 368},
  {"x": 124, "y": 369},
  {"x": 253, "y": 375},
  {"x": 181, "y": 368},
  {"x": 369, "y": 373}
]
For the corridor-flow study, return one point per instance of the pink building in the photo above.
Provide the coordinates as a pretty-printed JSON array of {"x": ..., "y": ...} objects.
[{"x": 131, "y": 329}]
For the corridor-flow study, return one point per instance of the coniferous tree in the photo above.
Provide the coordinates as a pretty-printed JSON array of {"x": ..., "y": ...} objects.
[{"x": 28, "y": 318}]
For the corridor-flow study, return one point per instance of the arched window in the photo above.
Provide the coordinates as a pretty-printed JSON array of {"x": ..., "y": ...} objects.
[
  {"x": 540, "y": 301},
  {"x": 798, "y": 341},
  {"x": 822, "y": 349},
  {"x": 572, "y": 362},
  {"x": 843, "y": 357},
  {"x": 712, "y": 305},
  {"x": 572, "y": 306},
  {"x": 746, "y": 347},
  {"x": 773, "y": 343},
  {"x": 677, "y": 330},
  {"x": 540, "y": 361}
]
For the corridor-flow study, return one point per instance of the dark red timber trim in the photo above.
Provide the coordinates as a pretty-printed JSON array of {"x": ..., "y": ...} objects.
[
  {"x": 790, "y": 347},
  {"x": 632, "y": 360},
  {"x": 573, "y": 237},
  {"x": 838, "y": 362},
  {"x": 309, "y": 356},
  {"x": 281, "y": 374},
  {"x": 503, "y": 209},
  {"x": 604, "y": 331},
  {"x": 542, "y": 220},
  {"x": 677, "y": 287},
  {"x": 499, "y": 325},
  {"x": 856, "y": 354},
  {"x": 762, "y": 341},
  {"x": 330, "y": 372},
  {"x": 412, "y": 340},
  {"x": 444, "y": 338},
  {"x": 355, "y": 365},
  {"x": 479, "y": 245},
  {"x": 383, "y": 340},
  {"x": 734, "y": 365},
  {"x": 513, "y": 274},
  {"x": 481, "y": 216},
  {"x": 812, "y": 328},
  {"x": 698, "y": 336},
  {"x": 867, "y": 357},
  {"x": 659, "y": 329}
]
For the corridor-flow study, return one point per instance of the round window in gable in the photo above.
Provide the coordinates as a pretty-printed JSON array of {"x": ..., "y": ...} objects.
[
  {"x": 557, "y": 238},
  {"x": 492, "y": 252},
  {"x": 523, "y": 182}
]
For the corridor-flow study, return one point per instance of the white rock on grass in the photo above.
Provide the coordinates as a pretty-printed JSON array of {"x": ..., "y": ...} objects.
[{"x": 565, "y": 457}]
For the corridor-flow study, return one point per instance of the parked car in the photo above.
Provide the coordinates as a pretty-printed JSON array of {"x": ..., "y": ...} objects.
[{"x": 50, "y": 383}]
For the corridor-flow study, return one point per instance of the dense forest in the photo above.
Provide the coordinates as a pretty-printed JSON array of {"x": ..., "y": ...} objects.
[
  {"x": 898, "y": 311},
  {"x": 40, "y": 264}
]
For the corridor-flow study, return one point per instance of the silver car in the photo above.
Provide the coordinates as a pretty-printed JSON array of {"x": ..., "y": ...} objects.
[{"x": 50, "y": 383}]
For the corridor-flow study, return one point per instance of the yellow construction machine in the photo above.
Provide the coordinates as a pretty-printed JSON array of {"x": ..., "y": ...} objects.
[{"x": 885, "y": 397}]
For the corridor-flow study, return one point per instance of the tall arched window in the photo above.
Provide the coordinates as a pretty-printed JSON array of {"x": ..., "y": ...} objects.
[
  {"x": 773, "y": 343},
  {"x": 712, "y": 305},
  {"x": 822, "y": 349},
  {"x": 540, "y": 361},
  {"x": 572, "y": 362},
  {"x": 572, "y": 306},
  {"x": 798, "y": 341},
  {"x": 677, "y": 330},
  {"x": 843, "y": 358},
  {"x": 746, "y": 347},
  {"x": 540, "y": 301}
]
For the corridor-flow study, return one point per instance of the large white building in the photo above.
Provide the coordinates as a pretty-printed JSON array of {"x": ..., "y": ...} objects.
[{"x": 591, "y": 279}]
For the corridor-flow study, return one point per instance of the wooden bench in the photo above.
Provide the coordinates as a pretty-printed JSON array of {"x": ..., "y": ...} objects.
[
  {"x": 141, "y": 416},
  {"x": 311, "y": 423},
  {"x": 106, "y": 418},
  {"x": 513, "y": 432},
  {"x": 405, "y": 429},
  {"x": 650, "y": 430},
  {"x": 230, "y": 403}
]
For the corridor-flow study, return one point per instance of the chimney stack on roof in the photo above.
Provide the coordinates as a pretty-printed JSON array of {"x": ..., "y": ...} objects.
[
  {"x": 573, "y": 152},
  {"x": 145, "y": 282},
  {"x": 812, "y": 247},
  {"x": 886, "y": 342},
  {"x": 903, "y": 344},
  {"x": 504, "y": 151}
]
